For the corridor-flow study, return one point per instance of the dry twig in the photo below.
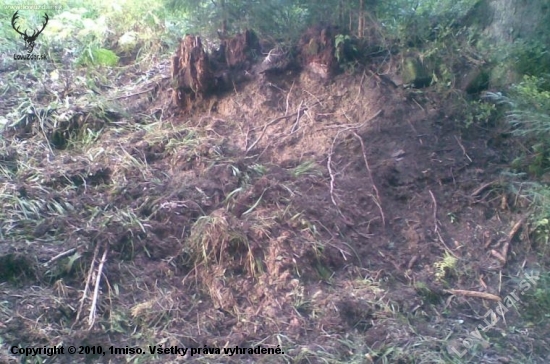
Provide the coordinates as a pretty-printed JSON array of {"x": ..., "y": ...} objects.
[
  {"x": 331, "y": 174},
  {"x": 463, "y": 149},
  {"x": 59, "y": 256},
  {"x": 436, "y": 228},
  {"x": 376, "y": 199},
  {"x": 502, "y": 256},
  {"x": 288, "y": 97},
  {"x": 360, "y": 87},
  {"x": 130, "y": 95},
  {"x": 87, "y": 286},
  {"x": 461, "y": 292},
  {"x": 498, "y": 256},
  {"x": 482, "y": 188},
  {"x": 295, "y": 127},
  {"x": 512, "y": 234},
  {"x": 93, "y": 307}
]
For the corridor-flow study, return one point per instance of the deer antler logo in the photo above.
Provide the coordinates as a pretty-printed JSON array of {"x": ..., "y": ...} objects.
[{"x": 29, "y": 39}]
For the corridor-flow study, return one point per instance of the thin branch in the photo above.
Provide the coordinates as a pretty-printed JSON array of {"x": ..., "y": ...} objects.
[
  {"x": 360, "y": 88},
  {"x": 483, "y": 295},
  {"x": 288, "y": 97},
  {"x": 482, "y": 188},
  {"x": 463, "y": 149},
  {"x": 295, "y": 126},
  {"x": 93, "y": 307},
  {"x": 511, "y": 236},
  {"x": 436, "y": 228},
  {"x": 59, "y": 256},
  {"x": 331, "y": 174},
  {"x": 376, "y": 199},
  {"x": 87, "y": 286}
]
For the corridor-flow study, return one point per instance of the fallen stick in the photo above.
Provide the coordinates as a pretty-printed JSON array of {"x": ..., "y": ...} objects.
[
  {"x": 93, "y": 307},
  {"x": 482, "y": 188},
  {"x": 376, "y": 199},
  {"x": 461, "y": 292},
  {"x": 511, "y": 236},
  {"x": 463, "y": 149},
  {"x": 436, "y": 228},
  {"x": 87, "y": 286},
  {"x": 59, "y": 256}
]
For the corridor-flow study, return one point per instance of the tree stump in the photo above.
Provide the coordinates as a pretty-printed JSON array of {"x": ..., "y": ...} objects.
[
  {"x": 317, "y": 51},
  {"x": 191, "y": 72},
  {"x": 241, "y": 50}
]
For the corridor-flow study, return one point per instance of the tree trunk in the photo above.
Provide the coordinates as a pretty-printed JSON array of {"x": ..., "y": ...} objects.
[
  {"x": 361, "y": 20},
  {"x": 341, "y": 12},
  {"x": 509, "y": 20},
  {"x": 224, "y": 18}
]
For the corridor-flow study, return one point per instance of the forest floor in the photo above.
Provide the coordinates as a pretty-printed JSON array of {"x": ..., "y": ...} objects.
[{"x": 341, "y": 221}]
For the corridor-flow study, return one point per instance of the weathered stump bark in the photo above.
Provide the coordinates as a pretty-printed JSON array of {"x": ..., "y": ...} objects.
[
  {"x": 192, "y": 73},
  {"x": 317, "y": 52},
  {"x": 241, "y": 50}
]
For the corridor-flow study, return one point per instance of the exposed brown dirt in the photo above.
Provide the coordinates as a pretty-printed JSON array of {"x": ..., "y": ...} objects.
[{"x": 302, "y": 214}]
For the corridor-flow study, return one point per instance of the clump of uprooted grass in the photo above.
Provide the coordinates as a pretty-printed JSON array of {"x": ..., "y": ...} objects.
[
  {"x": 219, "y": 247},
  {"x": 215, "y": 237}
]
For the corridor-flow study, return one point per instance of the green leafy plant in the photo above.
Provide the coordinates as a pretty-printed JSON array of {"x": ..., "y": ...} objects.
[
  {"x": 529, "y": 116},
  {"x": 94, "y": 55},
  {"x": 479, "y": 112},
  {"x": 339, "y": 43},
  {"x": 344, "y": 47},
  {"x": 530, "y": 57},
  {"x": 538, "y": 300},
  {"x": 445, "y": 266},
  {"x": 541, "y": 229}
]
